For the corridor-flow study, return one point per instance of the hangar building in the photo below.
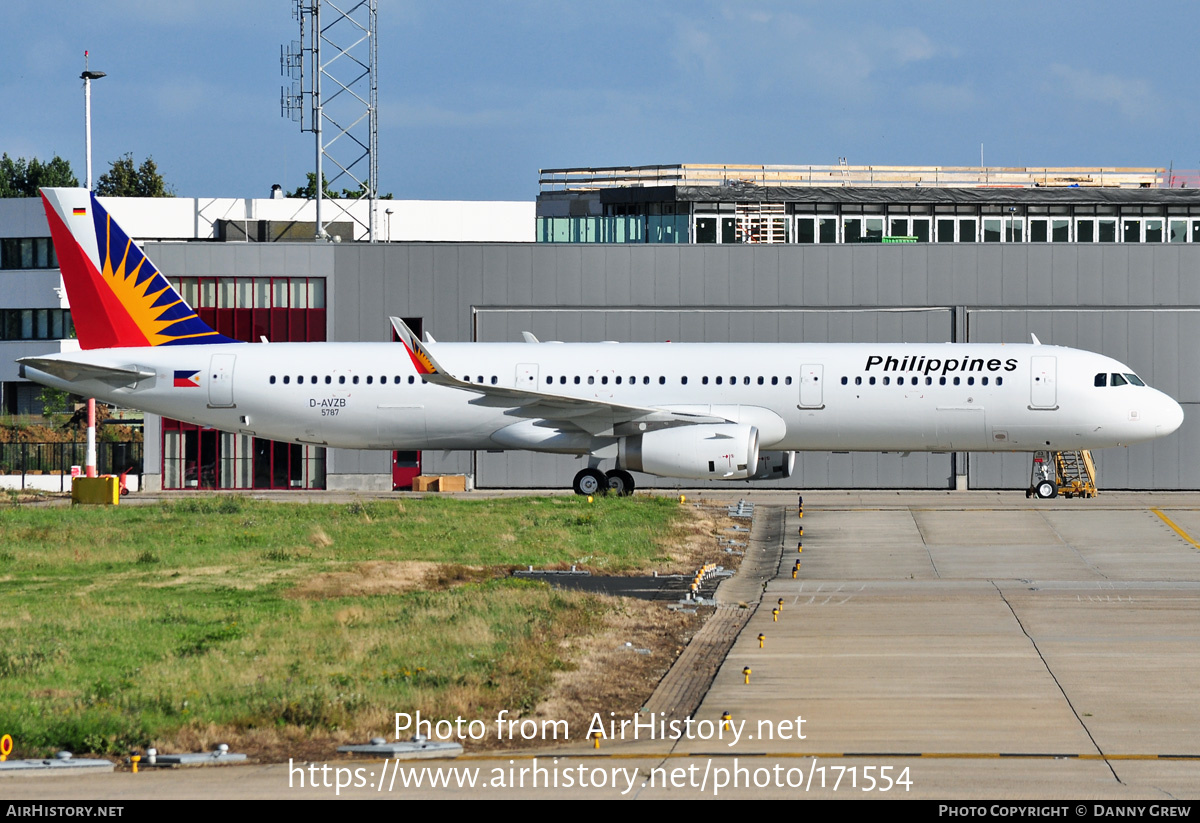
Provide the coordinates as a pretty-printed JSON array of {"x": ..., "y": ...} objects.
[{"x": 1101, "y": 259}]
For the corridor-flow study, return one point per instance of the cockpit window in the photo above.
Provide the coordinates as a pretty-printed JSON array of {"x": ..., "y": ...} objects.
[
  {"x": 1134, "y": 379},
  {"x": 1118, "y": 380},
  {"x": 1101, "y": 380}
]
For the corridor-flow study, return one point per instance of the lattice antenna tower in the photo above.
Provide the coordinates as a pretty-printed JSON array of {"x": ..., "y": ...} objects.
[{"x": 334, "y": 93}]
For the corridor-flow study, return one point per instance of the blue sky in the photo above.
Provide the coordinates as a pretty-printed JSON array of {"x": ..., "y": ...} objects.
[{"x": 474, "y": 98}]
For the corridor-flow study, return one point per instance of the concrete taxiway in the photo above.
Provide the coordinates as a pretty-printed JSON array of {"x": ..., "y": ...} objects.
[{"x": 970, "y": 645}]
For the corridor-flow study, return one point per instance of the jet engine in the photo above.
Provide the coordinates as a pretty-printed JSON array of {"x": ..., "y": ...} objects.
[
  {"x": 774, "y": 465},
  {"x": 723, "y": 451}
]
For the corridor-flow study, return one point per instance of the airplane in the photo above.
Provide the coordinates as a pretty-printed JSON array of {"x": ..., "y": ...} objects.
[{"x": 696, "y": 411}]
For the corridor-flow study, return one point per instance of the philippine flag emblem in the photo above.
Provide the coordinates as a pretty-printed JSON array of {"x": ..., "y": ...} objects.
[{"x": 187, "y": 379}]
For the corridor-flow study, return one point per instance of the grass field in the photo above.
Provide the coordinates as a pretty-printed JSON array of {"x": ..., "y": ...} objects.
[{"x": 177, "y": 623}]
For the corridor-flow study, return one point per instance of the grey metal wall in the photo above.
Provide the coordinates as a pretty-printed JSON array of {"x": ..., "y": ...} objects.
[{"x": 1137, "y": 303}]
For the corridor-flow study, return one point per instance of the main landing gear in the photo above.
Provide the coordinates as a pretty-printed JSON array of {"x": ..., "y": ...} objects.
[{"x": 594, "y": 481}]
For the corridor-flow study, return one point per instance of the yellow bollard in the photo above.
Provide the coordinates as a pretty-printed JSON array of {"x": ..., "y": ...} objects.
[
  {"x": 781, "y": 604},
  {"x": 794, "y": 570},
  {"x": 775, "y": 615},
  {"x": 134, "y": 760},
  {"x": 5, "y": 747},
  {"x": 682, "y": 499},
  {"x": 746, "y": 671},
  {"x": 589, "y": 498},
  {"x": 800, "y": 547},
  {"x": 802, "y": 531},
  {"x": 596, "y": 738},
  {"x": 761, "y": 638},
  {"x": 725, "y": 718}
]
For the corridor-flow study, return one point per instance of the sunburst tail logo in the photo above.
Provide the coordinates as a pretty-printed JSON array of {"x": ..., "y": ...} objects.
[{"x": 118, "y": 297}]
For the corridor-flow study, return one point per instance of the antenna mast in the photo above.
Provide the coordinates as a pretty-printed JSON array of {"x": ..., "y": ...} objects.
[{"x": 333, "y": 68}]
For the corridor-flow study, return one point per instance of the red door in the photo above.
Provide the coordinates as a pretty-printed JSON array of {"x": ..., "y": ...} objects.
[{"x": 405, "y": 466}]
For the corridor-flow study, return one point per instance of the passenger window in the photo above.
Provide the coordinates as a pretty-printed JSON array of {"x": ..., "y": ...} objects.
[
  {"x": 604, "y": 380},
  {"x": 887, "y": 381},
  {"x": 495, "y": 380},
  {"x": 411, "y": 379},
  {"x": 845, "y": 380},
  {"x": 872, "y": 381},
  {"x": 576, "y": 380},
  {"x": 286, "y": 379},
  {"x": 355, "y": 380},
  {"x": 1101, "y": 380},
  {"x": 662, "y": 381},
  {"x": 562, "y": 379},
  {"x": 342, "y": 379},
  {"x": 370, "y": 379},
  {"x": 788, "y": 380},
  {"x": 395, "y": 380},
  {"x": 774, "y": 381},
  {"x": 618, "y": 379},
  {"x": 300, "y": 379},
  {"x": 646, "y": 380},
  {"x": 1118, "y": 380},
  {"x": 272, "y": 380},
  {"x": 983, "y": 381},
  {"x": 899, "y": 381},
  {"x": 591, "y": 379},
  {"x": 970, "y": 381},
  {"x": 928, "y": 381},
  {"x": 682, "y": 380},
  {"x": 704, "y": 380},
  {"x": 858, "y": 381},
  {"x": 956, "y": 381},
  {"x": 941, "y": 381},
  {"x": 760, "y": 380},
  {"x": 549, "y": 379},
  {"x": 999, "y": 381},
  {"x": 719, "y": 379}
]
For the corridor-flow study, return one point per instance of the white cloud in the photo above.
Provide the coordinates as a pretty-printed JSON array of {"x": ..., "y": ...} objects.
[
  {"x": 1133, "y": 97},
  {"x": 943, "y": 96}
]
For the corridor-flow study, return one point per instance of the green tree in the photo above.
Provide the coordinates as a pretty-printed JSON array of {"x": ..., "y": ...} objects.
[
  {"x": 23, "y": 178},
  {"x": 309, "y": 190},
  {"x": 123, "y": 179}
]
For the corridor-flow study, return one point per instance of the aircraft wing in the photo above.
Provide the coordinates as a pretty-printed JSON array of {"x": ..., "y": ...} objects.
[
  {"x": 593, "y": 415},
  {"x": 71, "y": 370}
]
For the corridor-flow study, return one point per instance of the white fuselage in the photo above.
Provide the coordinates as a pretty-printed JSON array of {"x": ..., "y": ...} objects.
[{"x": 815, "y": 397}]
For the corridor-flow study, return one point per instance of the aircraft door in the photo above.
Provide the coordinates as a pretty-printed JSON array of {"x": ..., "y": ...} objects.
[
  {"x": 1042, "y": 389},
  {"x": 527, "y": 376},
  {"x": 220, "y": 383},
  {"x": 811, "y": 393}
]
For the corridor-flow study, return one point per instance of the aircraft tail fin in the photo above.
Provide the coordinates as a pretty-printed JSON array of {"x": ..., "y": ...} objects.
[
  {"x": 118, "y": 297},
  {"x": 420, "y": 355}
]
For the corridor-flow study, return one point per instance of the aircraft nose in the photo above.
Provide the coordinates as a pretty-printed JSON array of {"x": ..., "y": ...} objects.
[{"x": 1169, "y": 416}]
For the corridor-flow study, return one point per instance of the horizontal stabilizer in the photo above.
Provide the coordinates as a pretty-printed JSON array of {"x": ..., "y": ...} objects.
[{"x": 72, "y": 371}]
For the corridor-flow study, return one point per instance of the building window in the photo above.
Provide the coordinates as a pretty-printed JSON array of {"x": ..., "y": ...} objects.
[
  {"x": 27, "y": 253},
  {"x": 36, "y": 324}
]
